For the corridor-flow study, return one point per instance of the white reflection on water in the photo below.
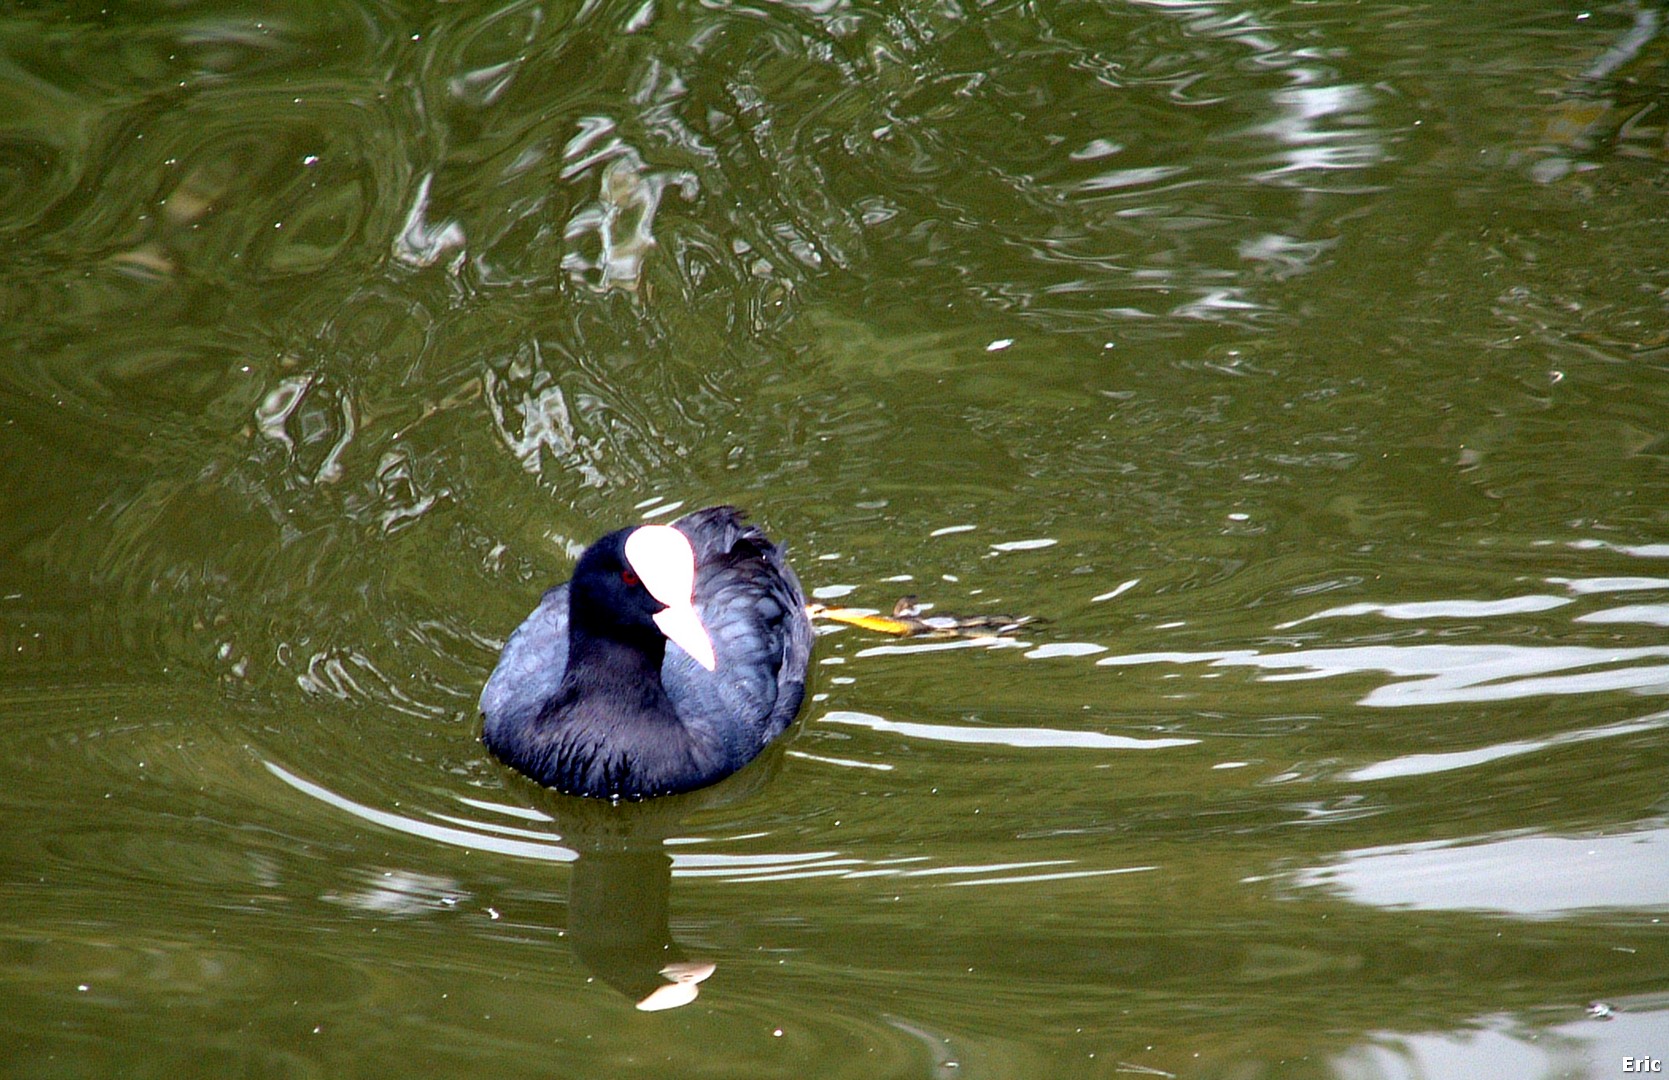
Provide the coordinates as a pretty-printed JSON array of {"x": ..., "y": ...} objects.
[
  {"x": 1533, "y": 877},
  {"x": 1639, "y": 551},
  {"x": 1132, "y": 177},
  {"x": 524, "y": 812},
  {"x": 1447, "y": 674},
  {"x": 1323, "y": 127},
  {"x": 1425, "y": 764},
  {"x": 621, "y": 220},
  {"x": 658, "y": 511},
  {"x": 1650, "y": 614},
  {"x": 1119, "y": 590},
  {"x": 400, "y": 892},
  {"x": 845, "y": 763},
  {"x": 1025, "y": 738},
  {"x": 1024, "y": 545},
  {"x": 941, "y": 646},
  {"x": 1065, "y": 648},
  {"x": 423, "y": 242},
  {"x": 464, "y": 838},
  {"x": 1585, "y": 586},
  {"x": 1509, "y": 1045},
  {"x": 1440, "y": 609},
  {"x": 1057, "y": 876}
]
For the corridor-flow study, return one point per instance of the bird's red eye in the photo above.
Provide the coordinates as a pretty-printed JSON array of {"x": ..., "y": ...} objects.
[{"x": 628, "y": 577}]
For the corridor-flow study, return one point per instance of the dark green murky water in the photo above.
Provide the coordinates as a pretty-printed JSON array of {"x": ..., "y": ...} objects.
[{"x": 1305, "y": 366}]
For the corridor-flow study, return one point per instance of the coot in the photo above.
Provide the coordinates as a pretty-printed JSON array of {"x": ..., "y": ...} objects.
[{"x": 588, "y": 698}]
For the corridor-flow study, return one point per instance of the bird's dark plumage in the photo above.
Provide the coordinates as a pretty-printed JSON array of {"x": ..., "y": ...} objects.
[{"x": 588, "y": 699}]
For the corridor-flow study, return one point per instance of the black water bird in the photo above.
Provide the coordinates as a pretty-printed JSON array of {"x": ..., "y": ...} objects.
[{"x": 588, "y": 699}]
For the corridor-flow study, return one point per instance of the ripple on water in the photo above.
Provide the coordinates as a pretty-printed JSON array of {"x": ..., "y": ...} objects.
[
  {"x": 1446, "y": 674},
  {"x": 400, "y": 891},
  {"x": 334, "y": 335}
]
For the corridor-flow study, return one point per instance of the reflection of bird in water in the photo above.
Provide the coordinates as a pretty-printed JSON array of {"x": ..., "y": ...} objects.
[
  {"x": 617, "y": 918},
  {"x": 621, "y": 884},
  {"x": 909, "y": 618},
  {"x": 587, "y": 698}
]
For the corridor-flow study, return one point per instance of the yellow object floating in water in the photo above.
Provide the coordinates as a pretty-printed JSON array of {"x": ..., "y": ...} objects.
[
  {"x": 909, "y": 619},
  {"x": 854, "y": 617}
]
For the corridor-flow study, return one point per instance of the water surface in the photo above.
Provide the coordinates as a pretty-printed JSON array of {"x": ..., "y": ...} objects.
[{"x": 1302, "y": 368}]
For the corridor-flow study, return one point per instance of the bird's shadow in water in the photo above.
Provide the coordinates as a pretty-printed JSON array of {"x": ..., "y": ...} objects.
[{"x": 621, "y": 884}]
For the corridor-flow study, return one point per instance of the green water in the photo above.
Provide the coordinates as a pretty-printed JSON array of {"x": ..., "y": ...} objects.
[{"x": 1303, "y": 368}]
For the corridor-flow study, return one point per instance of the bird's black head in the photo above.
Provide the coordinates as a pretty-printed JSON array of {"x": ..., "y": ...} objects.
[
  {"x": 637, "y": 585},
  {"x": 608, "y": 595}
]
